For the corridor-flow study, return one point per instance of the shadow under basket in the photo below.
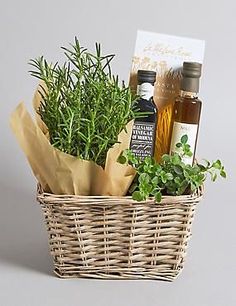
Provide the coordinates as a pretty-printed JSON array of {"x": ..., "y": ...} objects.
[{"x": 111, "y": 237}]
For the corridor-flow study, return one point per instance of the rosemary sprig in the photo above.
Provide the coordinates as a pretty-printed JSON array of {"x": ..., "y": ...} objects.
[{"x": 84, "y": 107}]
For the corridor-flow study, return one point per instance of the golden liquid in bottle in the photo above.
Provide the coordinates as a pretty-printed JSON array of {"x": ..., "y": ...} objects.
[{"x": 187, "y": 111}]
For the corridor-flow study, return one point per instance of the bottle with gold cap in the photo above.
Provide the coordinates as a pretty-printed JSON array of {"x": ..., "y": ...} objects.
[{"x": 187, "y": 110}]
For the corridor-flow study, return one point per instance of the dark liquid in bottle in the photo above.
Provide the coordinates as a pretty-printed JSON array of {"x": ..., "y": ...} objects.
[{"x": 144, "y": 130}]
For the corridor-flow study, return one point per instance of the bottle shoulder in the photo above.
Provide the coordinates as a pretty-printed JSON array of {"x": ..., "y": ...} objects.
[
  {"x": 187, "y": 110},
  {"x": 147, "y": 104},
  {"x": 194, "y": 100}
]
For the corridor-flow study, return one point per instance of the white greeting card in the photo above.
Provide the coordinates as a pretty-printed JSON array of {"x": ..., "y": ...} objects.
[{"x": 165, "y": 54}]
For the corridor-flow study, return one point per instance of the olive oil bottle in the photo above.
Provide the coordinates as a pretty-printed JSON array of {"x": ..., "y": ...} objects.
[
  {"x": 187, "y": 110},
  {"x": 144, "y": 129}
]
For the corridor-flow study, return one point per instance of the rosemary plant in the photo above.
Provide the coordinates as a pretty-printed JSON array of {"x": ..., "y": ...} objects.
[{"x": 82, "y": 103}]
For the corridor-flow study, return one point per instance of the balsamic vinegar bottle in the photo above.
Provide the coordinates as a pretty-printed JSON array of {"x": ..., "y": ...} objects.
[
  {"x": 144, "y": 129},
  {"x": 187, "y": 110}
]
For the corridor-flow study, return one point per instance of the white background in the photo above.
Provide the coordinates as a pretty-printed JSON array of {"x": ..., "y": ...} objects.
[{"x": 32, "y": 28}]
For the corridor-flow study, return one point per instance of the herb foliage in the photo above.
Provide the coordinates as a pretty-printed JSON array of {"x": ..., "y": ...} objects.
[
  {"x": 83, "y": 105},
  {"x": 171, "y": 176}
]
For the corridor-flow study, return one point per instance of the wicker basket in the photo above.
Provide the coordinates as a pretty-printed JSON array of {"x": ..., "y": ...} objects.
[{"x": 116, "y": 237}]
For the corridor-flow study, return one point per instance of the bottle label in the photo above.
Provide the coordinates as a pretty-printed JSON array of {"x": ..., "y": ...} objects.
[
  {"x": 180, "y": 129},
  {"x": 145, "y": 90},
  {"x": 142, "y": 139}
]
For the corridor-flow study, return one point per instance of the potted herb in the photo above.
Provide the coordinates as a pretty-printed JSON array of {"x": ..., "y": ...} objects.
[
  {"x": 171, "y": 176},
  {"x": 82, "y": 103},
  {"x": 83, "y": 123}
]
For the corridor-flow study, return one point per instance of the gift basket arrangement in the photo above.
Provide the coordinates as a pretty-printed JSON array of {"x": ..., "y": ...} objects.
[{"x": 118, "y": 190}]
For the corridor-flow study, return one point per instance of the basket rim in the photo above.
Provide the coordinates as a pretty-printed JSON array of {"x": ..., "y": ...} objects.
[{"x": 48, "y": 197}]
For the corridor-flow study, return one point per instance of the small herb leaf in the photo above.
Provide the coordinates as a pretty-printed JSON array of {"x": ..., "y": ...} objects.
[
  {"x": 184, "y": 139},
  {"x": 158, "y": 196},
  {"x": 171, "y": 176}
]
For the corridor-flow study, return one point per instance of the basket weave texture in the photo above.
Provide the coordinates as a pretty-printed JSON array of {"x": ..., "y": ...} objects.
[{"x": 116, "y": 237}]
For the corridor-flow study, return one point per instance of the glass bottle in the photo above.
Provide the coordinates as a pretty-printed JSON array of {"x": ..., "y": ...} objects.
[
  {"x": 144, "y": 129},
  {"x": 187, "y": 110}
]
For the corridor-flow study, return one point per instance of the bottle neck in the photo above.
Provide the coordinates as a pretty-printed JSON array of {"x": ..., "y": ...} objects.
[
  {"x": 188, "y": 94},
  {"x": 145, "y": 90},
  {"x": 190, "y": 84}
]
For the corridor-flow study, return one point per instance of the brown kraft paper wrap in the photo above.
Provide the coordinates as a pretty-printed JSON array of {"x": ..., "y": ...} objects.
[{"x": 61, "y": 173}]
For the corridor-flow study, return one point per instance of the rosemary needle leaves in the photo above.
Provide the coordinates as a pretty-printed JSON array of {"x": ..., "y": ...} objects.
[{"x": 82, "y": 103}]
